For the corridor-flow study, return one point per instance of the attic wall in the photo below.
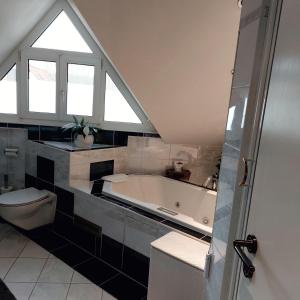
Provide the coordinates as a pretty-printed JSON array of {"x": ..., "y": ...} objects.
[{"x": 176, "y": 56}]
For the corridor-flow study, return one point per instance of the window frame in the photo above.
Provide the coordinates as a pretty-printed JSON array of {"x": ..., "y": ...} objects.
[
  {"x": 88, "y": 60},
  {"x": 98, "y": 58}
]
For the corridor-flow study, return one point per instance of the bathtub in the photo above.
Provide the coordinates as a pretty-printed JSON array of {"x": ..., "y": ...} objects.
[{"x": 185, "y": 204}]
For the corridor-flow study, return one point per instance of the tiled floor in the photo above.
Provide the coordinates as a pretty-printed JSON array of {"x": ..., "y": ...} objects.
[{"x": 62, "y": 272}]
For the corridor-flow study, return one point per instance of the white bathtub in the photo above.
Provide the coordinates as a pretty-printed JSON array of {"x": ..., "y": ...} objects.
[{"x": 182, "y": 203}]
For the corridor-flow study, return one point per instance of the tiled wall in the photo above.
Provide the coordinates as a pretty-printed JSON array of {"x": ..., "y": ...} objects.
[
  {"x": 13, "y": 166},
  {"x": 228, "y": 181},
  {"x": 80, "y": 161},
  {"x": 147, "y": 155}
]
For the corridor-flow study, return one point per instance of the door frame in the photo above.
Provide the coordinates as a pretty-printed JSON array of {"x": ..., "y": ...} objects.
[{"x": 266, "y": 42}]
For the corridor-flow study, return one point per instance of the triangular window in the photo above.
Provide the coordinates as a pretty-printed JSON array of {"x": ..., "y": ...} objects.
[
  {"x": 8, "y": 92},
  {"x": 62, "y": 35},
  {"x": 117, "y": 108}
]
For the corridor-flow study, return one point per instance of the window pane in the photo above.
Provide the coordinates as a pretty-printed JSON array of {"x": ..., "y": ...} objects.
[
  {"x": 8, "y": 93},
  {"x": 116, "y": 107},
  {"x": 42, "y": 86},
  {"x": 62, "y": 35},
  {"x": 80, "y": 90}
]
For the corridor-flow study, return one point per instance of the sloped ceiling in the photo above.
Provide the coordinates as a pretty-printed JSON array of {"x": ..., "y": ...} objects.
[
  {"x": 17, "y": 19},
  {"x": 176, "y": 56}
]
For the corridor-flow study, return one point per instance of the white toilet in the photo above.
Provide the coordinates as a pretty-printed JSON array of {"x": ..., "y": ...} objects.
[{"x": 29, "y": 208}]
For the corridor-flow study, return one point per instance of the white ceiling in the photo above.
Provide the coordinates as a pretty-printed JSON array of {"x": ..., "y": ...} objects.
[{"x": 17, "y": 18}]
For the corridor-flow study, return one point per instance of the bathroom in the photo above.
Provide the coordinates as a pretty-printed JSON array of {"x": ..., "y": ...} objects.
[{"x": 125, "y": 173}]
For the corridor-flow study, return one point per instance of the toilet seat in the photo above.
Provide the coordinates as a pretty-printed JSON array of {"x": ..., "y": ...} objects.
[{"x": 23, "y": 197}]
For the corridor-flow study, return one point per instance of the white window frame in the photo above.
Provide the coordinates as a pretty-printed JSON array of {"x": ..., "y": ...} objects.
[
  {"x": 98, "y": 58},
  {"x": 80, "y": 60}
]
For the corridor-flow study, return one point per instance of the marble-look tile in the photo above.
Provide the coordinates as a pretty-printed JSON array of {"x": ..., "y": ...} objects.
[
  {"x": 12, "y": 244},
  {"x": 186, "y": 153},
  {"x": 155, "y": 166},
  {"x": 155, "y": 148},
  {"x": 140, "y": 232},
  {"x": 102, "y": 213},
  {"x": 84, "y": 291},
  {"x": 31, "y": 149},
  {"x": 33, "y": 250},
  {"x": 50, "y": 291},
  {"x": 56, "y": 271},
  {"x": 25, "y": 270},
  {"x": 5, "y": 264},
  {"x": 21, "y": 291}
]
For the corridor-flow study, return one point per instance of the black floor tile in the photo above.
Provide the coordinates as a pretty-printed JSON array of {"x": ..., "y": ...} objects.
[
  {"x": 123, "y": 288},
  {"x": 71, "y": 255},
  {"x": 5, "y": 293},
  {"x": 96, "y": 271},
  {"x": 136, "y": 265},
  {"x": 111, "y": 251},
  {"x": 47, "y": 239}
]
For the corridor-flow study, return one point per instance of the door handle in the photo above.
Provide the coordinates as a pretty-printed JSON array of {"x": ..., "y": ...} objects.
[
  {"x": 245, "y": 175},
  {"x": 251, "y": 245}
]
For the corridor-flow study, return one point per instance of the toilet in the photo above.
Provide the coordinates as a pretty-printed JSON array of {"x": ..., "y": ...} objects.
[{"x": 28, "y": 208}]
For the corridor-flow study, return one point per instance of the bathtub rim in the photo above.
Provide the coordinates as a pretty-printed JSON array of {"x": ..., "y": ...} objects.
[{"x": 203, "y": 229}]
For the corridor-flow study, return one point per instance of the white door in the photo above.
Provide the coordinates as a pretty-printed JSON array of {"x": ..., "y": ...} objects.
[{"x": 274, "y": 216}]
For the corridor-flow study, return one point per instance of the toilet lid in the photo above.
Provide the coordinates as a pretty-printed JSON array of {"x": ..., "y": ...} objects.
[{"x": 23, "y": 197}]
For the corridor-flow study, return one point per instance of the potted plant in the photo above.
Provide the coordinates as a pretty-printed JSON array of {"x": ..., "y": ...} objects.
[{"x": 82, "y": 131}]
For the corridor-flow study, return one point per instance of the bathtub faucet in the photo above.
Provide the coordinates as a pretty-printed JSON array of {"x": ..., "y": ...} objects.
[{"x": 211, "y": 183}]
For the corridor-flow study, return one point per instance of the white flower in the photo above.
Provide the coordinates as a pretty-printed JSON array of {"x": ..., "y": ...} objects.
[{"x": 86, "y": 130}]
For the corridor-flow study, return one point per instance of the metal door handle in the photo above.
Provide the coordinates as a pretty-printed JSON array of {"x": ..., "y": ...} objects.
[
  {"x": 251, "y": 245},
  {"x": 245, "y": 176}
]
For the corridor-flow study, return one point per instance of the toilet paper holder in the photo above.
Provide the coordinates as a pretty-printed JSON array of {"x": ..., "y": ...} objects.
[{"x": 11, "y": 151}]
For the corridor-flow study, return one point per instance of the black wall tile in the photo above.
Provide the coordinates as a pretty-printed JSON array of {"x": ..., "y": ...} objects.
[
  {"x": 65, "y": 201},
  {"x": 100, "y": 169},
  {"x": 111, "y": 251},
  {"x": 65, "y": 226},
  {"x": 45, "y": 169},
  {"x": 136, "y": 265},
  {"x": 87, "y": 226},
  {"x": 104, "y": 137},
  {"x": 43, "y": 185},
  {"x": 30, "y": 181},
  {"x": 33, "y": 130},
  {"x": 52, "y": 133},
  {"x": 121, "y": 137}
]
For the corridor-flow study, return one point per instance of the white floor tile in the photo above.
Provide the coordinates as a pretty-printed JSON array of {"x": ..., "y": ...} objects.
[
  {"x": 56, "y": 271},
  {"x": 84, "y": 292},
  {"x": 106, "y": 296},
  {"x": 12, "y": 244},
  {"x": 25, "y": 270},
  {"x": 21, "y": 291},
  {"x": 5, "y": 264},
  {"x": 33, "y": 250},
  {"x": 50, "y": 291},
  {"x": 78, "y": 278}
]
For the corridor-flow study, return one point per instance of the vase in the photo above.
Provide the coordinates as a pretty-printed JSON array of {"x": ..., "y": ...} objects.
[
  {"x": 89, "y": 140},
  {"x": 79, "y": 141}
]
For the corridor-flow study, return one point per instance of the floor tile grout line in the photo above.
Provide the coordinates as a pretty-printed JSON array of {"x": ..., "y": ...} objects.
[
  {"x": 15, "y": 258},
  {"x": 70, "y": 283},
  {"x": 38, "y": 277}
]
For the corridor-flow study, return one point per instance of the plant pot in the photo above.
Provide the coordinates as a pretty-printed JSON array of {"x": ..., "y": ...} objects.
[
  {"x": 89, "y": 140},
  {"x": 79, "y": 141}
]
